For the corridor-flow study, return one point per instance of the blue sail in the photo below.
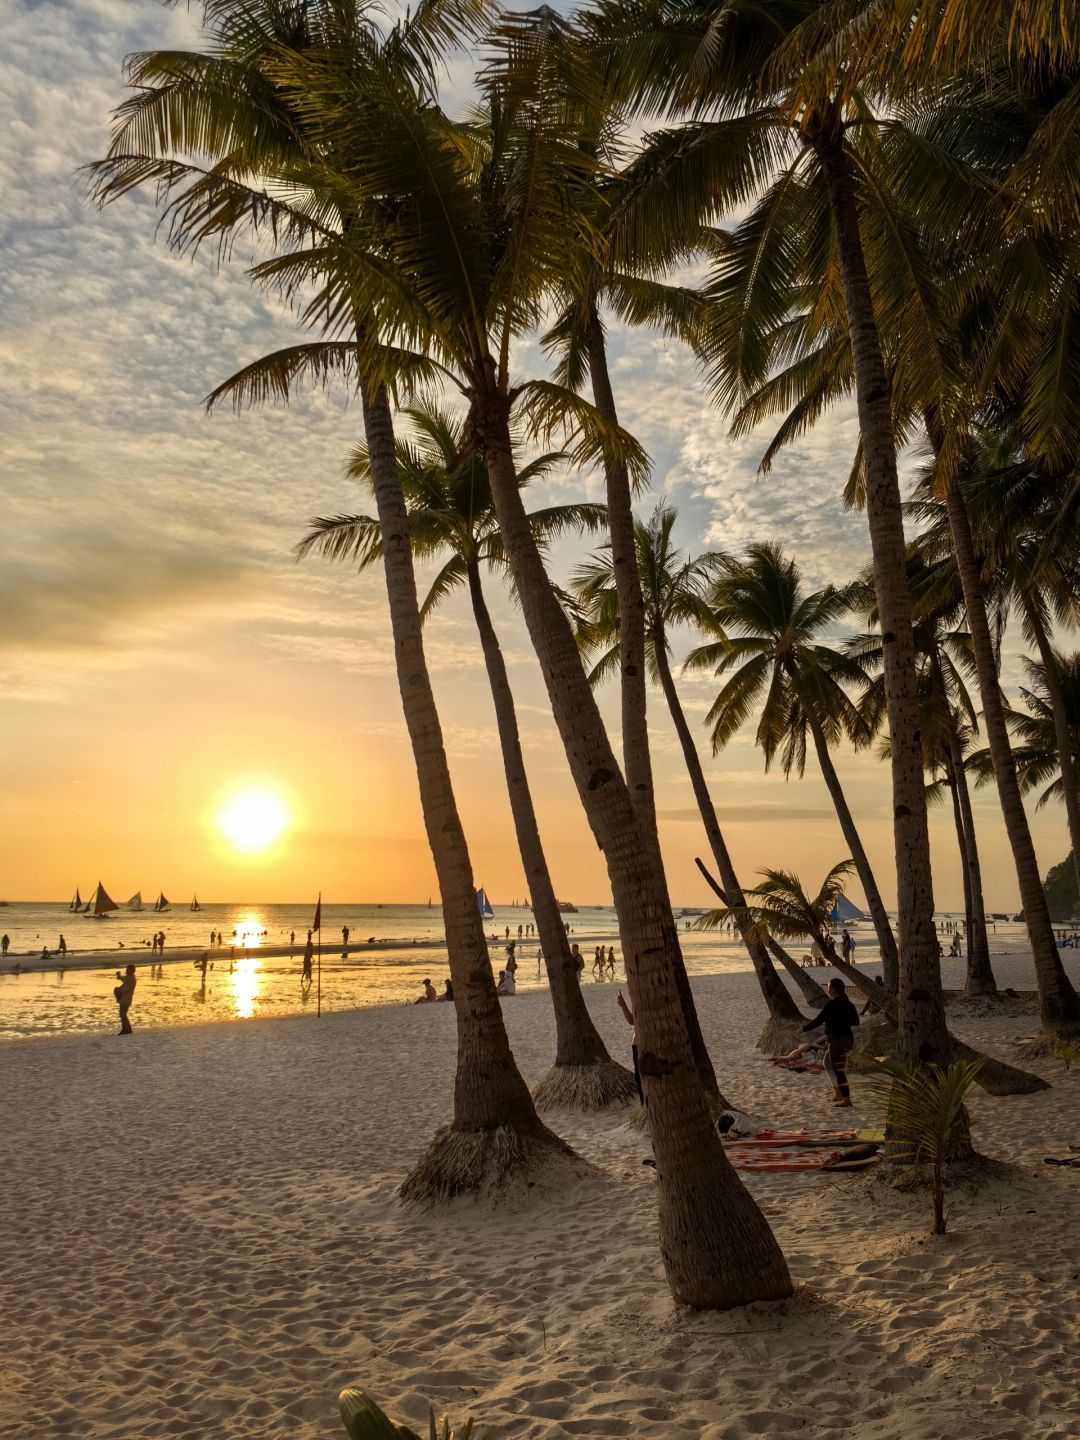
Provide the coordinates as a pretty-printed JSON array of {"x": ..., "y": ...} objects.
[{"x": 483, "y": 903}]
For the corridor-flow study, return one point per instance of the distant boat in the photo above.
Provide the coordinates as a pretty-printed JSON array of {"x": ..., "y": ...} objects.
[
  {"x": 135, "y": 903},
  {"x": 844, "y": 912},
  {"x": 100, "y": 904},
  {"x": 77, "y": 901},
  {"x": 195, "y": 903},
  {"x": 483, "y": 902},
  {"x": 161, "y": 903},
  {"x": 565, "y": 908}
]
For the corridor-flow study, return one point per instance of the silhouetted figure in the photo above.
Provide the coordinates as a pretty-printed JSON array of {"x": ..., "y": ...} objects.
[
  {"x": 448, "y": 993},
  {"x": 345, "y": 940},
  {"x": 292, "y": 938},
  {"x": 309, "y": 955},
  {"x": 61, "y": 948},
  {"x": 125, "y": 993},
  {"x": 611, "y": 960},
  {"x": 430, "y": 994},
  {"x": 5, "y": 945}
]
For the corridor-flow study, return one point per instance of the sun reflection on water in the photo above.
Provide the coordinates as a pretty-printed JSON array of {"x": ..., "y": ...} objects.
[{"x": 245, "y": 983}]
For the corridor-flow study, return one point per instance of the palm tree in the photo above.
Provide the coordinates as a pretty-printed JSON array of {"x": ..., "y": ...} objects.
[
  {"x": 271, "y": 172},
  {"x": 769, "y": 653},
  {"x": 782, "y": 904},
  {"x": 417, "y": 281},
  {"x": 961, "y": 332},
  {"x": 450, "y": 514},
  {"x": 673, "y": 590},
  {"x": 1035, "y": 732},
  {"x": 948, "y": 721},
  {"x": 756, "y": 125}
]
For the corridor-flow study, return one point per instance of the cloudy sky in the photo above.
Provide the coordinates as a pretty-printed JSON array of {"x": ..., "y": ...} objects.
[{"x": 159, "y": 647}]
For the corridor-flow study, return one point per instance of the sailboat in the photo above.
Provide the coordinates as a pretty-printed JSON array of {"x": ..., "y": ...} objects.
[
  {"x": 195, "y": 903},
  {"x": 77, "y": 902},
  {"x": 100, "y": 904},
  {"x": 484, "y": 903},
  {"x": 135, "y": 903},
  {"x": 161, "y": 903}
]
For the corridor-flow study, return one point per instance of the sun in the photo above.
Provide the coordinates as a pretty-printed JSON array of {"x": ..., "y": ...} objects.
[{"x": 252, "y": 819}]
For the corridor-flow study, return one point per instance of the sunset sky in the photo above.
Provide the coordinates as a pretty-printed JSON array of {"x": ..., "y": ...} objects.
[{"x": 159, "y": 648}]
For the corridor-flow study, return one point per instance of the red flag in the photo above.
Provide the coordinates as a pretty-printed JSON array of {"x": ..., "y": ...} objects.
[{"x": 317, "y": 923}]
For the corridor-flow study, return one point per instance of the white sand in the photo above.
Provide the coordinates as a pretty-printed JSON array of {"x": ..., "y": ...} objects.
[{"x": 202, "y": 1241}]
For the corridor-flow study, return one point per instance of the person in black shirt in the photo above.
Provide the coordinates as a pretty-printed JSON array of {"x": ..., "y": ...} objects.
[{"x": 839, "y": 1016}]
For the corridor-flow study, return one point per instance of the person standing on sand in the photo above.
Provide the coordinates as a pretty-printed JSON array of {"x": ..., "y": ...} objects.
[
  {"x": 628, "y": 1016},
  {"x": 61, "y": 948},
  {"x": 5, "y": 944},
  {"x": 839, "y": 1017},
  {"x": 344, "y": 939},
  {"x": 125, "y": 993},
  {"x": 611, "y": 960},
  {"x": 292, "y": 938},
  {"x": 309, "y": 955},
  {"x": 578, "y": 958},
  {"x": 845, "y": 945}
]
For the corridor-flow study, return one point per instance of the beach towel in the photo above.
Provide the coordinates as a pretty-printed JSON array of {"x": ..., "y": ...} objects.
[
  {"x": 803, "y": 1137},
  {"x": 805, "y": 1158}
]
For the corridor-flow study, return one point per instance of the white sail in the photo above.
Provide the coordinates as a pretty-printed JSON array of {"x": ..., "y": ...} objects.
[{"x": 135, "y": 903}]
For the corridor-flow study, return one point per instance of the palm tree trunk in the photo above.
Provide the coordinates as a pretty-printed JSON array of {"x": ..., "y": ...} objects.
[
  {"x": 637, "y": 761},
  {"x": 489, "y": 1094},
  {"x": 922, "y": 1014},
  {"x": 717, "y": 1247},
  {"x": 1061, "y": 726},
  {"x": 578, "y": 1043},
  {"x": 633, "y": 694},
  {"x": 980, "y": 974},
  {"x": 801, "y": 976},
  {"x": 965, "y": 867},
  {"x": 782, "y": 1007},
  {"x": 890, "y": 963},
  {"x": 1059, "y": 1005}
]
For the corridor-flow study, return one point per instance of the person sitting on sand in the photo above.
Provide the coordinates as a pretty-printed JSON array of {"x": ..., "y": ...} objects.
[
  {"x": 125, "y": 993},
  {"x": 507, "y": 984},
  {"x": 839, "y": 1017},
  {"x": 430, "y": 994},
  {"x": 448, "y": 993}
]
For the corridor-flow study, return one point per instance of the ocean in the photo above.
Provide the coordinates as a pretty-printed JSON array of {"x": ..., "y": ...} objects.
[{"x": 247, "y": 981}]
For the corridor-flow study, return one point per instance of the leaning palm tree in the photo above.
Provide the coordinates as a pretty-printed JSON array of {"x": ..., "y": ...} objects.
[
  {"x": 448, "y": 239},
  {"x": 263, "y": 168},
  {"x": 782, "y": 903},
  {"x": 451, "y": 518},
  {"x": 769, "y": 652},
  {"x": 673, "y": 589}
]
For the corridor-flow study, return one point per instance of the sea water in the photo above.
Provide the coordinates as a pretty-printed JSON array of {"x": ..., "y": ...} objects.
[{"x": 244, "y": 981}]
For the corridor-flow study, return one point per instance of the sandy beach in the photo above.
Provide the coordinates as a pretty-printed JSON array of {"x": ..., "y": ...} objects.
[{"x": 204, "y": 1241}]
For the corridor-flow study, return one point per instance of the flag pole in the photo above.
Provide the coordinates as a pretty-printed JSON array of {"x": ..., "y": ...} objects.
[{"x": 318, "y": 970}]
